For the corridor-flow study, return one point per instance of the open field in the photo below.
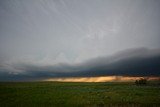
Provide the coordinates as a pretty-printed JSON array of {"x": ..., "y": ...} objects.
[{"x": 59, "y": 94}]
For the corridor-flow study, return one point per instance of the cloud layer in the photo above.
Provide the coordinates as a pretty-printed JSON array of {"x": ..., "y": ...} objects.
[
  {"x": 131, "y": 62},
  {"x": 61, "y": 38}
]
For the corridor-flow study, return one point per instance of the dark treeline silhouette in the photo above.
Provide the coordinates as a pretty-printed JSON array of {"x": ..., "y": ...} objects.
[{"x": 141, "y": 81}]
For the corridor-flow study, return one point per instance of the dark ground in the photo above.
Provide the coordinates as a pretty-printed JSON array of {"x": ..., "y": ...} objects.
[{"x": 58, "y": 94}]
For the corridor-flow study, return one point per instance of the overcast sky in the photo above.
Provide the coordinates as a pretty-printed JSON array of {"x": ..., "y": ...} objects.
[{"x": 48, "y": 32}]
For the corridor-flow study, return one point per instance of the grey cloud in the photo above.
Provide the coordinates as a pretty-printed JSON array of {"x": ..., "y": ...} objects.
[
  {"x": 79, "y": 29},
  {"x": 56, "y": 38},
  {"x": 131, "y": 62}
]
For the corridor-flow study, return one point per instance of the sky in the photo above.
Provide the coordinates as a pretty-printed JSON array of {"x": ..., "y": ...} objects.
[{"x": 58, "y": 38}]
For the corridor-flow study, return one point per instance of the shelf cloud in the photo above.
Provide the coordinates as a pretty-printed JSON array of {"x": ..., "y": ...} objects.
[
  {"x": 131, "y": 62},
  {"x": 66, "y": 38}
]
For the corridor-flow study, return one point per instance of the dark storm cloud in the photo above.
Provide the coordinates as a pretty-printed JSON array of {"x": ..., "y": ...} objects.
[
  {"x": 131, "y": 62},
  {"x": 61, "y": 38}
]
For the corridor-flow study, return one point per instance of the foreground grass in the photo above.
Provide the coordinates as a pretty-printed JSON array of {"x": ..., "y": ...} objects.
[{"x": 56, "y": 94}]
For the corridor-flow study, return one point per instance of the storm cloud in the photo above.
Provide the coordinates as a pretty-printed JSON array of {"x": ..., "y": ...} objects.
[
  {"x": 70, "y": 38},
  {"x": 131, "y": 62}
]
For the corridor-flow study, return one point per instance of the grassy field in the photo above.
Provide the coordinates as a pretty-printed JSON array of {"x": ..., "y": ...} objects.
[{"x": 57, "y": 94}]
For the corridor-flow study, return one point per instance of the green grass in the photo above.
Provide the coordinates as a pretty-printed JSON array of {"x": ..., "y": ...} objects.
[{"x": 57, "y": 94}]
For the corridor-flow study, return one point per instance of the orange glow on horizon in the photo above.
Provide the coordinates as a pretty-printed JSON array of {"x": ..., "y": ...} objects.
[{"x": 98, "y": 79}]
